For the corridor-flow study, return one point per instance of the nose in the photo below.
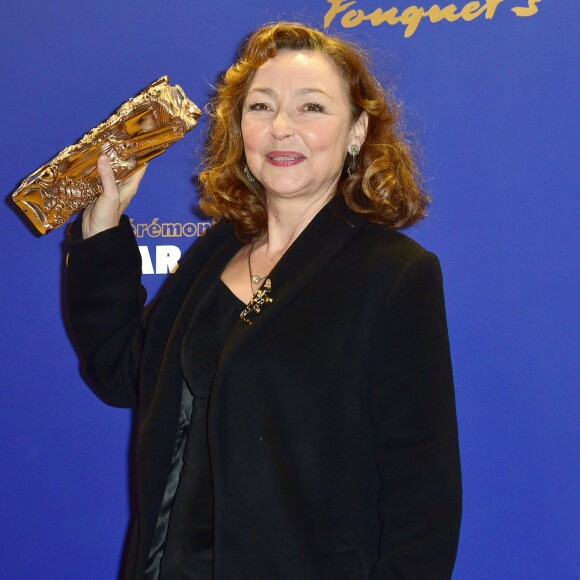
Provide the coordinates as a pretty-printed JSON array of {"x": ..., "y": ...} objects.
[{"x": 282, "y": 126}]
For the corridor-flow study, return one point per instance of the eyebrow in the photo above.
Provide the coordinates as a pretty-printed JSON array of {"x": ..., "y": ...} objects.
[{"x": 300, "y": 92}]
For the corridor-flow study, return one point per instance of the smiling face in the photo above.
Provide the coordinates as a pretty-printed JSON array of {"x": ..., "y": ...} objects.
[{"x": 297, "y": 126}]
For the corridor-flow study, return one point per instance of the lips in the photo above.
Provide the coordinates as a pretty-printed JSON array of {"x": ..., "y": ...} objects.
[{"x": 284, "y": 158}]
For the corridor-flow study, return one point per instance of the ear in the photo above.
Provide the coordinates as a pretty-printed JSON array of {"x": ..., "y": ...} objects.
[{"x": 358, "y": 131}]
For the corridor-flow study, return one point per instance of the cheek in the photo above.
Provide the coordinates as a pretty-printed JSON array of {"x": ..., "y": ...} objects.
[
  {"x": 251, "y": 137},
  {"x": 246, "y": 131},
  {"x": 329, "y": 141}
]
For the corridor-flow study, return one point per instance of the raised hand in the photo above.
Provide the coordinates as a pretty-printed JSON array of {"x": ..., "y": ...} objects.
[{"x": 106, "y": 211}]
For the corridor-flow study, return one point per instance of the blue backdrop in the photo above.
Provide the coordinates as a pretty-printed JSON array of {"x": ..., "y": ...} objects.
[{"x": 491, "y": 98}]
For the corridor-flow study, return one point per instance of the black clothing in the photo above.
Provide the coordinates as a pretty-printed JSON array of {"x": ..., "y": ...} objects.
[
  {"x": 332, "y": 430},
  {"x": 188, "y": 548}
]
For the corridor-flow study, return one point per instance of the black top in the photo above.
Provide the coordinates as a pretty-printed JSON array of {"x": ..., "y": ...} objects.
[{"x": 188, "y": 552}]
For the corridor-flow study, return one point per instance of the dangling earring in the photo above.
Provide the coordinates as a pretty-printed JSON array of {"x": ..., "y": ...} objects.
[
  {"x": 249, "y": 175},
  {"x": 354, "y": 150}
]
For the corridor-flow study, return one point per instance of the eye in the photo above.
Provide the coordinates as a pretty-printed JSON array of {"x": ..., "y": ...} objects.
[
  {"x": 258, "y": 107},
  {"x": 314, "y": 108}
]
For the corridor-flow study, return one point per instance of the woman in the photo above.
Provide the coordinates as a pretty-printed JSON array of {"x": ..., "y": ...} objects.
[{"x": 292, "y": 381}]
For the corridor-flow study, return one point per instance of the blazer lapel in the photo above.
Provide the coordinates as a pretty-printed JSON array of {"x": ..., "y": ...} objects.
[
  {"x": 190, "y": 295},
  {"x": 180, "y": 295},
  {"x": 330, "y": 230}
]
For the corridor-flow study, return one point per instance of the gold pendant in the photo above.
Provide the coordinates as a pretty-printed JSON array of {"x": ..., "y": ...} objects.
[{"x": 260, "y": 298}]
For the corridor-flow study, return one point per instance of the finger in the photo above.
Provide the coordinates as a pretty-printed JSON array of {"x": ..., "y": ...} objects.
[
  {"x": 129, "y": 186},
  {"x": 135, "y": 178},
  {"x": 107, "y": 177}
]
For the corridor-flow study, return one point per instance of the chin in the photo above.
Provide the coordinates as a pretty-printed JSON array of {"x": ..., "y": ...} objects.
[{"x": 283, "y": 189}]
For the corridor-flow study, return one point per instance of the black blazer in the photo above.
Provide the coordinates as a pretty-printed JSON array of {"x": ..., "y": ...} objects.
[{"x": 332, "y": 426}]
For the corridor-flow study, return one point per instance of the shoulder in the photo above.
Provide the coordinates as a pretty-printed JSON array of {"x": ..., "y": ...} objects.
[
  {"x": 213, "y": 236},
  {"x": 388, "y": 251},
  {"x": 402, "y": 274},
  {"x": 379, "y": 241},
  {"x": 384, "y": 241},
  {"x": 195, "y": 258},
  {"x": 205, "y": 245}
]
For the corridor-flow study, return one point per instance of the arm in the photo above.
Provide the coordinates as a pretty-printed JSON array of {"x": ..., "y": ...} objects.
[
  {"x": 104, "y": 301},
  {"x": 415, "y": 430},
  {"x": 103, "y": 292}
]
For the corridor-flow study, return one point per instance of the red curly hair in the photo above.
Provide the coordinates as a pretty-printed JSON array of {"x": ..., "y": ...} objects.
[{"x": 386, "y": 186}]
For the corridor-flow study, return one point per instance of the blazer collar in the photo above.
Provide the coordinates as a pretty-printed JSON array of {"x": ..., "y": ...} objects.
[
  {"x": 330, "y": 230},
  {"x": 183, "y": 291}
]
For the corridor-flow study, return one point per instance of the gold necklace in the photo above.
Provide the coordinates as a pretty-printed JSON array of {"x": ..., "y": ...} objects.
[
  {"x": 260, "y": 298},
  {"x": 254, "y": 278}
]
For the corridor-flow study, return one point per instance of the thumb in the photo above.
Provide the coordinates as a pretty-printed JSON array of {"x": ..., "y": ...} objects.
[
  {"x": 103, "y": 212},
  {"x": 110, "y": 190}
]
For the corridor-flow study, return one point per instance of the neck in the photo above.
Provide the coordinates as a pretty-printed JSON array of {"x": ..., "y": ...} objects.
[{"x": 287, "y": 219}]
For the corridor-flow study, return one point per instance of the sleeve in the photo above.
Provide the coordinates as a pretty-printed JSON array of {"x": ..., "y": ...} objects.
[
  {"x": 415, "y": 429},
  {"x": 104, "y": 307}
]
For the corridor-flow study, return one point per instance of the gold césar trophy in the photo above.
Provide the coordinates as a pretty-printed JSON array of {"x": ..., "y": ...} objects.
[{"x": 142, "y": 128}]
